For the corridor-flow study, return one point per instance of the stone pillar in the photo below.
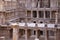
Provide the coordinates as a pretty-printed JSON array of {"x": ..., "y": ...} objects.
[
  {"x": 31, "y": 14},
  {"x": 56, "y": 19},
  {"x": 55, "y": 34},
  {"x": 44, "y": 14},
  {"x": 56, "y": 22},
  {"x": 46, "y": 34},
  {"x": 15, "y": 33},
  {"x": 50, "y": 14},
  {"x": 25, "y": 34},
  {"x": 36, "y": 35},
  {"x": 37, "y": 14},
  {"x": 2, "y": 18}
]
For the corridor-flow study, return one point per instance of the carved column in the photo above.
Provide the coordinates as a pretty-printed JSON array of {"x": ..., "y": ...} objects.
[
  {"x": 44, "y": 13},
  {"x": 56, "y": 19},
  {"x": 46, "y": 34},
  {"x": 36, "y": 35},
  {"x": 56, "y": 22},
  {"x": 55, "y": 34},
  {"x": 25, "y": 34},
  {"x": 15, "y": 32}
]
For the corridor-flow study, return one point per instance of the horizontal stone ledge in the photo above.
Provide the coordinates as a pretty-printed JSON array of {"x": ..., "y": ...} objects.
[{"x": 34, "y": 25}]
